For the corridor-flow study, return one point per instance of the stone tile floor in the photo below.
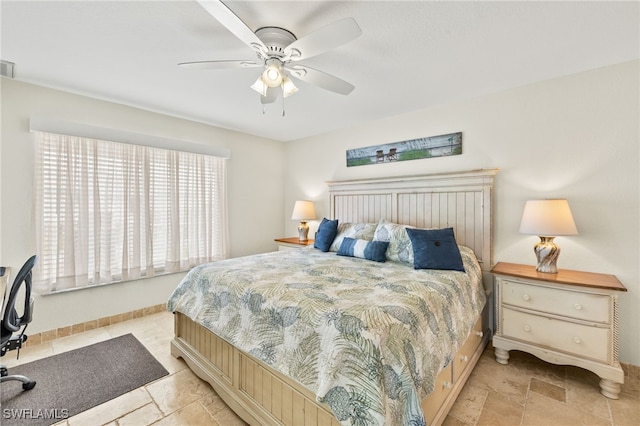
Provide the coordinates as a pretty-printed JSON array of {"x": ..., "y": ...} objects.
[{"x": 527, "y": 391}]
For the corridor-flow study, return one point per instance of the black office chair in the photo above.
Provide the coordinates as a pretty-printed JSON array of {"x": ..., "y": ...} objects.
[{"x": 12, "y": 323}]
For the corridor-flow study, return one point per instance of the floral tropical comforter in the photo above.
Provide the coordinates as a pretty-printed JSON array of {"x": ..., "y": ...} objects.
[{"x": 367, "y": 338}]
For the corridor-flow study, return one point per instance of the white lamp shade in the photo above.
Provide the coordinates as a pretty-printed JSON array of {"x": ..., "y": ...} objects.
[
  {"x": 260, "y": 87},
  {"x": 288, "y": 88},
  {"x": 547, "y": 218},
  {"x": 303, "y": 210}
]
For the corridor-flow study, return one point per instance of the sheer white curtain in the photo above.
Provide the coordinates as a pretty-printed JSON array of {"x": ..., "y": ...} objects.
[{"x": 108, "y": 211}]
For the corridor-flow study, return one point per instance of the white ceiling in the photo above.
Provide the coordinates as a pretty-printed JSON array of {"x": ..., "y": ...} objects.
[{"x": 412, "y": 55}]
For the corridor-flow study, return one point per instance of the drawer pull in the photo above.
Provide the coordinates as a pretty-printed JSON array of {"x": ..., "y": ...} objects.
[
  {"x": 479, "y": 333},
  {"x": 526, "y": 328},
  {"x": 526, "y": 297},
  {"x": 577, "y": 306},
  {"x": 464, "y": 358},
  {"x": 577, "y": 340}
]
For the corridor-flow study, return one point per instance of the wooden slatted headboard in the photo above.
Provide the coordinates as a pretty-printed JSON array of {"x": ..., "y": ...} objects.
[{"x": 462, "y": 200}]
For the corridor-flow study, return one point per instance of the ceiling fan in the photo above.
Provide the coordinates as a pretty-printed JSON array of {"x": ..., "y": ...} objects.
[{"x": 279, "y": 53}]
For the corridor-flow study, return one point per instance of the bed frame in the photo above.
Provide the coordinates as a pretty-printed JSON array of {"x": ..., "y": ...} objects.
[{"x": 263, "y": 396}]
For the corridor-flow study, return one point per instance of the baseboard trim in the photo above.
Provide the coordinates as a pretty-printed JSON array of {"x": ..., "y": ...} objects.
[
  {"x": 631, "y": 371},
  {"x": 46, "y": 336}
]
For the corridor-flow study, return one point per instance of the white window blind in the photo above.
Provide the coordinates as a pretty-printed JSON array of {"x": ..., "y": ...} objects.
[{"x": 108, "y": 211}]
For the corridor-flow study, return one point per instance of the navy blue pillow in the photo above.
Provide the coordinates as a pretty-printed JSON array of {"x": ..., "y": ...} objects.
[
  {"x": 370, "y": 250},
  {"x": 435, "y": 249},
  {"x": 327, "y": 232}
]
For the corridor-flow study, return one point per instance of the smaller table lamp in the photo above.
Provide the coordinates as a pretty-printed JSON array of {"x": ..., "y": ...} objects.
[
  {"x": 547, "y": 219},
  {"x": 303, "y": 211}
]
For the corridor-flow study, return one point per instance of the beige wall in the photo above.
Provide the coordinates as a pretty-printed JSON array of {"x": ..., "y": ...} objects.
[
  {"x": 253, "y": 160},
  {"x": 575, "y": 137}
]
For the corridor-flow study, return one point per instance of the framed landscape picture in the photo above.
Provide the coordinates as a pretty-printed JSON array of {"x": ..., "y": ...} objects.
[{"x": 414, "y": 149}]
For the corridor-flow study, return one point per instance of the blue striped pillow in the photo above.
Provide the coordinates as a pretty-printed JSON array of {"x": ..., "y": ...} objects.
[{"x": 370, "y": 250}]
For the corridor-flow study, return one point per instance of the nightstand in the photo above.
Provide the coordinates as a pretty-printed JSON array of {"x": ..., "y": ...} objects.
[
  {"x": 291, "y": 243},
  {"x": 568, "y": 318}
]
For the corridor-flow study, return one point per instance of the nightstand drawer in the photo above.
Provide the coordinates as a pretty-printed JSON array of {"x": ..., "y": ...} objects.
[
  {"x": 585, "y": 306},
  {"x": 583, "y": 340}
]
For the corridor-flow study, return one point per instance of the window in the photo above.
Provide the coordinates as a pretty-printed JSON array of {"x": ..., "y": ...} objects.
[{"x": 108, "y": 211}]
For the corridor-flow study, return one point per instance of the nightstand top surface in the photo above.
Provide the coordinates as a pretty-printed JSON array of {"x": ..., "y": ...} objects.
[
  {"x": 564, "y": 276},
  {"x": 294, "y": 240}
]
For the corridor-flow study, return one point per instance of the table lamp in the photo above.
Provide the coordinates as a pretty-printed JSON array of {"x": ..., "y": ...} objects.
[
  {"x": 303, "y": 211},
  {"x": 547, "y": 219}
]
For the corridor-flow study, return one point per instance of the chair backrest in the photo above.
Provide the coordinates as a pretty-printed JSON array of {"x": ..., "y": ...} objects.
[{"x": 11, "y": 322}]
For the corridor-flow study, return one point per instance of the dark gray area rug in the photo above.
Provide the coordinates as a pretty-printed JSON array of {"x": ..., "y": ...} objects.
[{"x": 72, "y": 382}]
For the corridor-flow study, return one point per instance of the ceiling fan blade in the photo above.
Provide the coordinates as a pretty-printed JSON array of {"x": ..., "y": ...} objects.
[
  {"x": 324, "y": 39},
  {"x": 230, "y": 21},
  {"x": 212, "y": 65},
  {"x": 272, "y": 95},
  {"x": 320, "y": 79}
]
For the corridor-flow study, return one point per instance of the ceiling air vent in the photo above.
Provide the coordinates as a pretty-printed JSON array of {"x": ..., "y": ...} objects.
[{"x": 6, "y": 68}]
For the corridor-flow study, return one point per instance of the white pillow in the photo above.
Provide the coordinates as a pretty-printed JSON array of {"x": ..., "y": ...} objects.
[
  {"x": 357, "y": 231},
  {"x": 400, "y": 248}
]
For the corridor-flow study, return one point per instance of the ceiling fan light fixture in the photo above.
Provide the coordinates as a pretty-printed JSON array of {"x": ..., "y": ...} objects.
[
  {"x": 260, "y": 86},
  {"x": 276, "y": 49},
  {"x": 288, "y": 88}
]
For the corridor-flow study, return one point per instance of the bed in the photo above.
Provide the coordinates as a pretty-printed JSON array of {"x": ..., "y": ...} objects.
[{"x": 306, "y": 337}]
